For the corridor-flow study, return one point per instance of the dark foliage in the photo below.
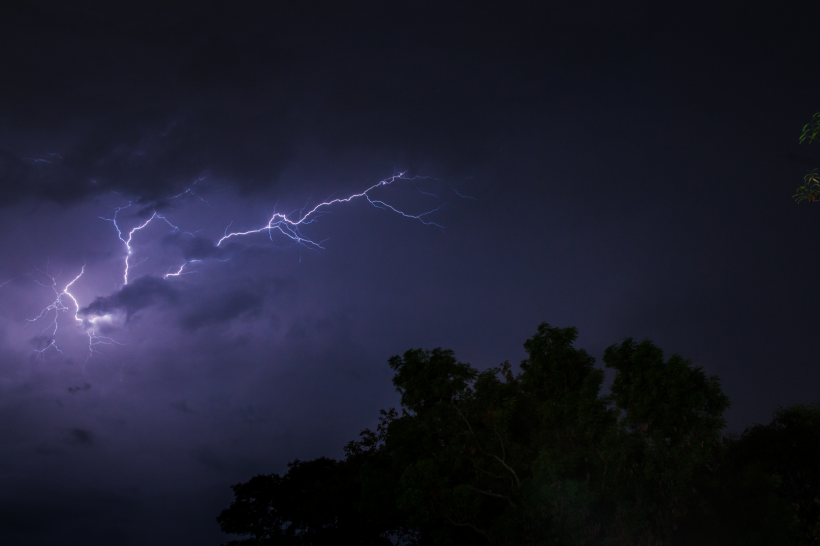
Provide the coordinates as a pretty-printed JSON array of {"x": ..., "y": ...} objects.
[
  {"x": 788, "y": 449},
  {"x": 540, "y": 457},
  {"x": 764, "y": 487},
  {"x": 312, "y": 504}
]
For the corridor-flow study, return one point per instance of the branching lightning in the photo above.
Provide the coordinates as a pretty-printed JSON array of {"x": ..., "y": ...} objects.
[
  {"x": 127, "y": 242},
  {"x": 59, "y": 305},
  {"x": 179, "y": 272},
  {"x": 289, "y": 225},
  {"x": 290, "y": 228}
]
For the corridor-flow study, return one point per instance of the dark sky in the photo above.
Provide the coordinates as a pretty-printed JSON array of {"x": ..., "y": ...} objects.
[{"x": 627, "y": 169}]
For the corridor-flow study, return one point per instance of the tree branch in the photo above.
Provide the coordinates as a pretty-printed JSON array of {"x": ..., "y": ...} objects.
[
  {"x": 505, "y": 465},
  {"x": 473, "y": 527},
  {"x": 468, "y": 426},
  {"x": 505, "y": 497},
  {"x": 517, "y": 481}
]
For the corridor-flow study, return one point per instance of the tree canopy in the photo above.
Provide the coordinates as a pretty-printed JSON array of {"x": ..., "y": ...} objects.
[{"x": 541, "y": 456}]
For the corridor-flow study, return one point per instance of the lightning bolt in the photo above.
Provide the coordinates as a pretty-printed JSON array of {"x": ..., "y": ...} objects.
[
  {"x": 127, "y": 242},
  {"x": 180, "y": 272},
  {"x": 288, "y": 225},
  {"x": 191, "y": 192},
  {"x": 58, "y": 306},
  {"x": 290, "y": 228},
  {"x": 464, "y": 196}
]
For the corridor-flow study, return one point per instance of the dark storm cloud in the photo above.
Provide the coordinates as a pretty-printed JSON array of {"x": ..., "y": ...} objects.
[
  {"x": 208, "y": 457},
  {"x": 187, "y": 93},
  {"x": 194, "y": 247},
  {"x": 73, "y": 390},
  {"x": 141, "y": 293},
  {"x": 197, "y": 306},
  {"x": 40, "y": 342},
  {"x": 223, "y": 308},
  {"x": 164, "y": 166},
  {"x": 309, "y": 333},
  {"x": 80, "y": 437},
  {"x": 181, "y": 406},
  {"x": 251, "y": 415},
  {"x": 219, "y": 305}
]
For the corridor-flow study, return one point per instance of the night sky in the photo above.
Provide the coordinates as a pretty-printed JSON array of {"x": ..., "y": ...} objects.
[{"x": 626, "y": 169}]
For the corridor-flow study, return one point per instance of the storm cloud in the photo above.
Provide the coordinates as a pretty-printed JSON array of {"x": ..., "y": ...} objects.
[
  {"x": 240, "y": 109},
  {"x": 141, "y": 293}
]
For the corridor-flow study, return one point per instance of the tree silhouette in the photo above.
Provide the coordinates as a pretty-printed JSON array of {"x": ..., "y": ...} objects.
[
  {"x": 312, "y": 504},
  {"x": 789, "y": 449},
  {"x": 541, "y": 457}
]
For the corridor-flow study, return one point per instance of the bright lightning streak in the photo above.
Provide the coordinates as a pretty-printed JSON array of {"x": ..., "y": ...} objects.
[
  {"x": 464, "y": 196},
  {"x": 59, "y": 306},
  {"x": 177, "y": 274},
  {"x": 279, "y": 221},
  {"x": 70, "y": 295},
  {"x": 127, "y": 242},
  {"x": 56, "y": 306},
  {"x": 287, "y": 224},
  {"x": 191, "y": 191},
  {"x": 290, "y": 228},
  {"x": 180, "y": 272}
]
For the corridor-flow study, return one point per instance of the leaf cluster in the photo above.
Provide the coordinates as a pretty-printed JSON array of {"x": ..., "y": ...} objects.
[
  {"x": 810, "y": 189},
  {"x": 811, "y": 130}
]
